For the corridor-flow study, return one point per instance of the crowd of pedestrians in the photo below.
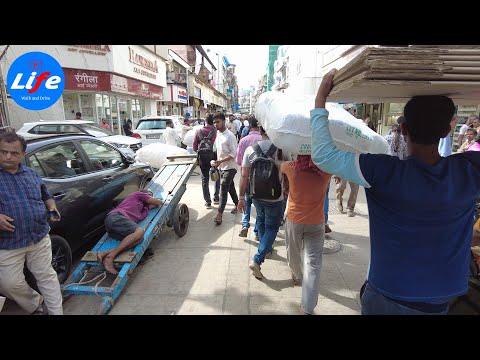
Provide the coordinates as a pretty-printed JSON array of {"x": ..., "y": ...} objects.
[{"x": 421, "y": 215}]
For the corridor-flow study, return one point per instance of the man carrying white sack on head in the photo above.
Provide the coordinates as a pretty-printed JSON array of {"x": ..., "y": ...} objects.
[{"x": 420, "y": 208}]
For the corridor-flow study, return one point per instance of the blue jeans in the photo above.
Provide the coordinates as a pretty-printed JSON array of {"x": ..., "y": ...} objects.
[
  {"x": 246, "y": 215},
  {"x": 269, "y": 216},
  {"x": 325, "y": 206},
  {"x": 374, "y": 303}
]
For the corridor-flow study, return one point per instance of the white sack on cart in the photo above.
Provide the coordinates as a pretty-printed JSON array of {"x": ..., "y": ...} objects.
[
  {"x": 156, "y": 154},
  {"x": 286, "y": 119},
  {"x": 190, "y": 135}
]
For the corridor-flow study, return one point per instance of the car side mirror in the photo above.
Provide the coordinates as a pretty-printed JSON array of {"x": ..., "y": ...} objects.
[{"x": 128, "y": 159}]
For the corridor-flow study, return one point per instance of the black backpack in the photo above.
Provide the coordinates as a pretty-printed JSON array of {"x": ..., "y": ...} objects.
[
  {"x": 205, "y": 149},
  {"x": 264, "y": 181}
]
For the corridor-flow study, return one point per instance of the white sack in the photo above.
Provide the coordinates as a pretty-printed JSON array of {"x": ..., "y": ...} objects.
[
  {"x": 190, "y": 135},
  {"x": 156, "y": 154},
  {"x": 286, "y": 119}
]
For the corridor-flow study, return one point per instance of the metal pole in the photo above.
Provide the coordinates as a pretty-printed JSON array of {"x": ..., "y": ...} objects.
[{"x": 4, "y": 116}]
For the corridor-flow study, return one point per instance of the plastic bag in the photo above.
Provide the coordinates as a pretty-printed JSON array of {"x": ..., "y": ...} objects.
[
  {"x": 190, "y": 135},
  {"x": 156, "y": 154},
  {"x": 286, "y": 119}
]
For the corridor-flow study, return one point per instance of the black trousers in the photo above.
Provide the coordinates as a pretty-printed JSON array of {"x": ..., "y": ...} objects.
[
  {"x": 206, "y": 186},
  {"x": 227, "y": 186}
]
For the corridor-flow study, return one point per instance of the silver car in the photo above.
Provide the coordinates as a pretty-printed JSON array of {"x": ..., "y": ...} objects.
[{"x": 34, "y": 130}]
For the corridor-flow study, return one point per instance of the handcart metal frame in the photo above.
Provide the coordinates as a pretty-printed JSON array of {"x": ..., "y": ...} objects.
[{"x": 169, "y": 185}]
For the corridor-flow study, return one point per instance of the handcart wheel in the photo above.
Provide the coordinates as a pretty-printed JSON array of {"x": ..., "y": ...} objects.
[{"x": 180, "y": 220}]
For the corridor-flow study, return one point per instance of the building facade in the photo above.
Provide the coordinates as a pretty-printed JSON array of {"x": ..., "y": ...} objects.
[{"x": 203, "y": 96}]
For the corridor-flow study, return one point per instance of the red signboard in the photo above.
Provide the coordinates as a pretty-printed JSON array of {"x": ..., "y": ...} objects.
[
  {"x": 143, "y": 89},
  {"x": 135, "y": 87},
  {"x": 86, "y": 80}
]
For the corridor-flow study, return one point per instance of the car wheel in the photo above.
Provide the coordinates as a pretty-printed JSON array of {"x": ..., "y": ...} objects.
[
  {"x": 61, "y": 257},
  {"x": 61, "y": 261},
  {"x": 180, "y": 220}
]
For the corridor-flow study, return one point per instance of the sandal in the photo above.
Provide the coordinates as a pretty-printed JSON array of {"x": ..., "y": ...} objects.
[
  {"x": 217, "y": 221},
  {"x": 234, "y": 211}
]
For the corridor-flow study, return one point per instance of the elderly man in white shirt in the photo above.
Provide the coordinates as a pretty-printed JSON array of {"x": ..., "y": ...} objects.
[
  {"x": 170, "y": 135},
  {"x": 226, "y": 145}
]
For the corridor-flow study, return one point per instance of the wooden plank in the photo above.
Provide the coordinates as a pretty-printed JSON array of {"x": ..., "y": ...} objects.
[
  {"x": 181, "y": 163},
  {"x": 186, "y": 156},
  {"x": 123, "y": 257}
]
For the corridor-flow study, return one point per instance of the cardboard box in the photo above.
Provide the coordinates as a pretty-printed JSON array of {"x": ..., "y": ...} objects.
[{"x": 387, "y": 74}]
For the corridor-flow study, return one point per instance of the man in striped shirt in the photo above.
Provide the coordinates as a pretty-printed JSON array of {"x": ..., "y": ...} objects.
[{"x": 25, "y": 208}]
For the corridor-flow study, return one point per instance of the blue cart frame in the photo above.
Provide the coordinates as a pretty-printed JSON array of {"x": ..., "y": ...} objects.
[{"x": 169, "y": 185}]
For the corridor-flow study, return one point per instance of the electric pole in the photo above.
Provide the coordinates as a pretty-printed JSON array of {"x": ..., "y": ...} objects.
[{"x": 4, "y": 121}]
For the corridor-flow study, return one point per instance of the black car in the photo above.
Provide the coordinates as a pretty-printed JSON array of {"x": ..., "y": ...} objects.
[{"x": 87, "y": 177}]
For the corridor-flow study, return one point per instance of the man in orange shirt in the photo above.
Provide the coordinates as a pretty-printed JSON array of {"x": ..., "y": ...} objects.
[{"x": 305, "y": 225}]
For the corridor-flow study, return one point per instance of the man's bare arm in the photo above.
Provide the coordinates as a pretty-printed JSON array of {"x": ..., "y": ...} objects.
[
  {"x": 154, "y": 202},
  {"x": 52, "y": 206},
  {"x": 243, "y": 188}
]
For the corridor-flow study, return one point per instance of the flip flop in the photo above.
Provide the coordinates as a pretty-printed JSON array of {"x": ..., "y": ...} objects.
[{"x": 217, "y": 221}]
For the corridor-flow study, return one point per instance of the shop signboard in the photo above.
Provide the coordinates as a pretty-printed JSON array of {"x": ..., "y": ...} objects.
[{"x": 86, "y": 80}]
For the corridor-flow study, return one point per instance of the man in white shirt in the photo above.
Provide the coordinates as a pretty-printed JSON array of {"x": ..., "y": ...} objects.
[
  {"x": 170, "y": 135},
  {"x": 269, "y": 211},
  {"x": 186, "y": 127},
  {"x": 226, "y": 145}
]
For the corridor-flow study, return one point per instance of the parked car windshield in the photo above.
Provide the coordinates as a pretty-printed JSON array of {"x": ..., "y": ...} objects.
[
  {"x": 96, "y": 130},
  {"x": 152, "y": 124}
]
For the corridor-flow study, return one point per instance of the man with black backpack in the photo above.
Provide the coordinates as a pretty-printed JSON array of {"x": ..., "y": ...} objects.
[
  {"x": 261, "y": 172},
  {"x": 203, "y": 146}
]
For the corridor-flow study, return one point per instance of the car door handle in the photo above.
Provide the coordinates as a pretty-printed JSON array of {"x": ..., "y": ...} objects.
[
  {"x": 107, "y": 179},
  {"x": 59, "y": 196}
]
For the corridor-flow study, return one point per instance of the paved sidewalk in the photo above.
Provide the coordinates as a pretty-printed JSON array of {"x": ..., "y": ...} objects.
[{"x": 206, "y": 271}]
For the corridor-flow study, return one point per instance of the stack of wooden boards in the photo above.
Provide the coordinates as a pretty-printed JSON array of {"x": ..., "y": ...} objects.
[{"x": 395, "y": 74}]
